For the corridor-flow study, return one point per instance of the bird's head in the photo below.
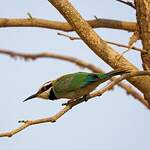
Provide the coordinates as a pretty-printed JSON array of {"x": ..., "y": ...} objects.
[{"x": 43, "y": 92}]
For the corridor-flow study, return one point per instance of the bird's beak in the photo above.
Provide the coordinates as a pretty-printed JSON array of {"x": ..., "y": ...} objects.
[{"x": 30, "y": 97}]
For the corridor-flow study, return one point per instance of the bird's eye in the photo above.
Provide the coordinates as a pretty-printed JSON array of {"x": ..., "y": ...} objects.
[{"x": 44, "y": 88}]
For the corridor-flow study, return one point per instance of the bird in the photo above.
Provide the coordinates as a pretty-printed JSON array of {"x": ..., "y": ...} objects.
[{"x": 73, "y": 86}]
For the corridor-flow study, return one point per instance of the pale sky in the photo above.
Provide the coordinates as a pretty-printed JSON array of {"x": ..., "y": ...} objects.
[{"x": 114, "y": 121}]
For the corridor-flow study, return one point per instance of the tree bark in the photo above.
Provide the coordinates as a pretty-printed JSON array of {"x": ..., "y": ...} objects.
[{"x": 143, "y": 19}]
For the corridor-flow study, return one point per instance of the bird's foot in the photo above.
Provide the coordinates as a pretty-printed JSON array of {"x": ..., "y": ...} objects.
[
  {"x": 68, "y": 102},
  {"x": 85, "y": 98}
]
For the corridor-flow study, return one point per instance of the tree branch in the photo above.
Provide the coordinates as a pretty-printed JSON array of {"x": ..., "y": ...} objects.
[
  {"x": 31, "y": 56},
  {"x": 143, "y": 19},
  {"x": 63, "y": 26},
  {"x": 127, "y": 3},
  {"x": 71, "y": 104},
  {"x": 129, "y": 90},
  {"x": 109, "y": 42}
]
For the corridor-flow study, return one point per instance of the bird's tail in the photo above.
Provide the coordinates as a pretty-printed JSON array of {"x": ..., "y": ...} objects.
[
  {"x": 115, "y": 73},
  {"x": 107, "y": 76}
]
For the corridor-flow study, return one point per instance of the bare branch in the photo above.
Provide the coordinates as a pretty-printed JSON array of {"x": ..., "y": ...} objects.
[
  {"x": 28, "y": 123},
  {"x": 31, "y": 56},
  {"x": 71, "y": 104},
  {"x": 113, "y": 43},
  {"x": 127, "y": 3},
  {"x": 64, "y": 26},
  {"x": 117, "y": 80},
  {"x": 143, "y": 19},
  {"x": 68, "y": 36},
  {"x": 133, "y": 39},
  {"x": 29, "y": 15}
]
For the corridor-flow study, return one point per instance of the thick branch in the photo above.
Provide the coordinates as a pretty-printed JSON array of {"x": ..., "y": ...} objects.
[
  {"x": 63, "y": 26},
  {"x": 129, "y": 90},
  {"x": 98, "y": 46},
  {"x": 70, "y": 105},
  {"x": 143, "y": 19}
]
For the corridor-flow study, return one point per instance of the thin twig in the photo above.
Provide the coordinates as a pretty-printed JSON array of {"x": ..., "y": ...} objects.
[
  {"x": 126, "y": 46},
  {"x": 68, "y": 36},
  {"x": 113, "y": 43},
  {"x": 71, "y": 104},
  {"x": 121, "y": 55},
  {"x": 127, "y": 3},
  {"x": 129, "y": 90},
  {"x": 29, "y": 15}
]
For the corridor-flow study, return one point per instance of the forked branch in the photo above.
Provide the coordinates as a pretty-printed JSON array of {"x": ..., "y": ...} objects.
[{"x": 71, "y": 104}]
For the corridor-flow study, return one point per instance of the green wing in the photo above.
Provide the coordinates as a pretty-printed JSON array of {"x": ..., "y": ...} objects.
[{"x": 72, "y": 82}]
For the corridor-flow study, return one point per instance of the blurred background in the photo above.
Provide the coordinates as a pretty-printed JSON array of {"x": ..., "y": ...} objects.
[{"x": 113, "y": 121}]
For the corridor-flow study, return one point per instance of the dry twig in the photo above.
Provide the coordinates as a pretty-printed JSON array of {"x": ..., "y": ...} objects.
[
  {"x": 113, "y": 43},
  {"x": 71, "y": 104},
  {"x": 133, "y": 39},
  {"x": 127, "y": 3}
]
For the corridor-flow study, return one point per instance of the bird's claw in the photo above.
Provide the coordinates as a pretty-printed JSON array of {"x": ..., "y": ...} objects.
[{"x": 67, "y": 103}]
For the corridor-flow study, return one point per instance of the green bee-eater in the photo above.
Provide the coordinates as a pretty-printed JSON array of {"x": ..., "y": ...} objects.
[{"x": 73, "y": 86}]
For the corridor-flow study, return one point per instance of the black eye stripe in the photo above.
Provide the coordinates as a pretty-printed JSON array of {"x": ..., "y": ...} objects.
[
  {"x": 48, "y": 86},
  {"x": 45, "y": 88}
]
